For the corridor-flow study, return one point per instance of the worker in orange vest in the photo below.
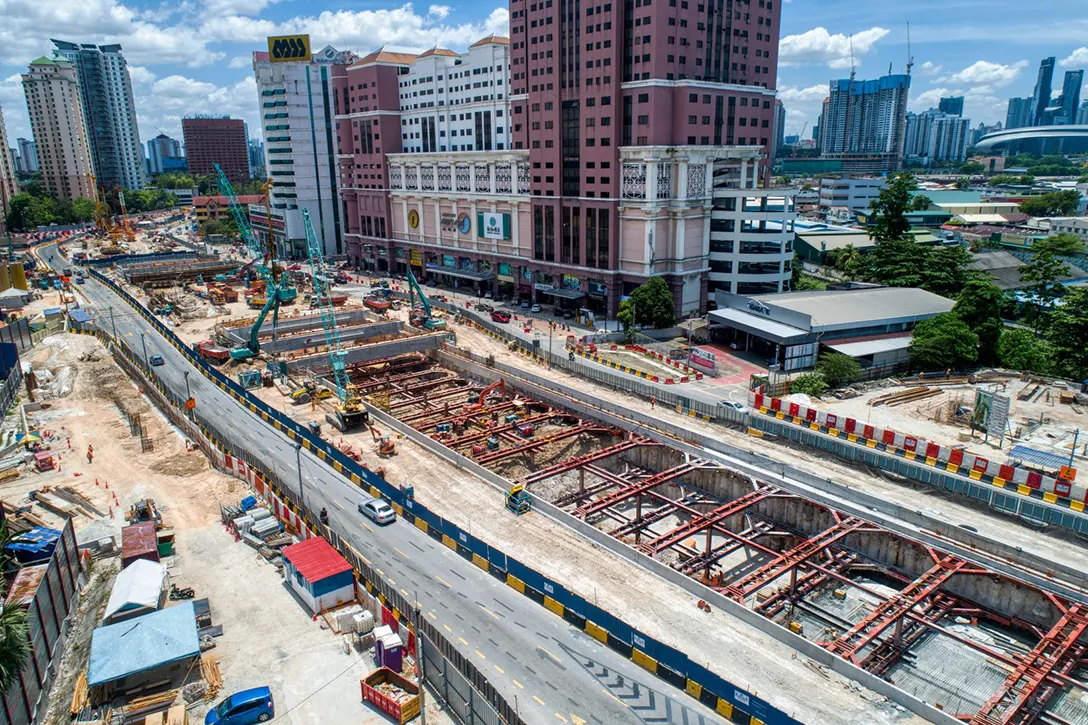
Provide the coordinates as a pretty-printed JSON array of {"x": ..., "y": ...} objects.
[{"x": 90, "y": 454}]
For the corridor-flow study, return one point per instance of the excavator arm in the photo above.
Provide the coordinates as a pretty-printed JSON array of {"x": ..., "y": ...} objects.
[{"x": 254, "y": 346}]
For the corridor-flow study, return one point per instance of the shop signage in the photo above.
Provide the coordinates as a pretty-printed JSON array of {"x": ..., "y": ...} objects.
[
  {"x": 448, "y": 221},
  {"x": 702, "y": 359},
  {"x": 597, "y": 288},
  {"x": 413, "y": 218},
  {"x": 542, "y": 287},
  {"x": 464, "y": 223},
  {"x": 417, "y": 257},
  {"x": 571, "y": 282},
  {"x": 492, "y": 225},
  {"x": 448, "y": 261},
  {"x": 759, "y": 307}
]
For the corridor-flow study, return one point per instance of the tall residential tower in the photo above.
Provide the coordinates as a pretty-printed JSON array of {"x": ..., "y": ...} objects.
[
  {"x": 9, "y": 186},
  {"x": 865, "y": 121},
  {"x": 60, "y": 133},
  {"x": 109, "y": 112}
]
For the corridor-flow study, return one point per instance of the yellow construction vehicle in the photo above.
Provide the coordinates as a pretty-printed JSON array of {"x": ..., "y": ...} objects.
[{"x": 309, "y": 391}]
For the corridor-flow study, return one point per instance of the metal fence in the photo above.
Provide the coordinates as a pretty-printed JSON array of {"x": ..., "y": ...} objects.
[
  {"x": 10, "y": 389},
  {"x": 47, "y": 625}
]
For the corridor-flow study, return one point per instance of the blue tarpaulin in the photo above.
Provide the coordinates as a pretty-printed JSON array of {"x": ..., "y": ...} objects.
[
  {"x": 79, "y": 316},
  {"x": 1043, "y": 459},
  {"x": 142, "y": 644},
  {"x": 34, "y": 545}
]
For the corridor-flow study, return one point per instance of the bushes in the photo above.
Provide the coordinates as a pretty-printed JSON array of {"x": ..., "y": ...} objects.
[{"x": 811, "y": 384}]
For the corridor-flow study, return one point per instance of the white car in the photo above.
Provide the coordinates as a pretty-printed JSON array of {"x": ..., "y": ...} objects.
[
  {"x": 377, "y": 511},
  {"x": 733, "y": 405},
  {"x": 534, "y": 308}
]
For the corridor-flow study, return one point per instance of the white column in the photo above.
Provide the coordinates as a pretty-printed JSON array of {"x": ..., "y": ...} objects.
[
  {"x": 744, "y": 173},
  {"x": 473, "y": 233},
  {"x": 680, "y": 220},
  {"x": 404, "y": 216},
  {"x": 682, "y": 179},
  {"x": 418, "y": 171},
  {"x": 651, "y": 180},
  {"x": 437, "y": 220},
  {"x": 491, "y": 176},
  {"x": 515, "y": 240}
]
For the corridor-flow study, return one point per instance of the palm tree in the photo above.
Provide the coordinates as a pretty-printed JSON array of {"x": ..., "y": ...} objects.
[{"x": 14, "y": 643}]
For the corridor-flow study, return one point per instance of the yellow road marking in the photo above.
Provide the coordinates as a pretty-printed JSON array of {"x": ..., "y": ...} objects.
[
  {"x": 538, "y": 699},
  {"x": 561, "y": 717},
  {"x": 500, "y": 670},
  {"x": 339, "y": 505},
  {"x": 447, "y": 627},
  {"x": 392, "y": 583},
  {"x": 448, "y": 586},
  {"x": 490, "y": 612},
  {"x": 481, "y": 654},
  {"x": 405, "y": 592},
  {"x": 463, "y": 641},
  {"x": 549, "y": 654},
  {"x": 617, "y": 699},
  {"x": 401, "y": 553},
  {"x": 519, "y": 684},
  {"x": 366, "y": 527},
  {"x": 380, "y": 572},
  {"x": 577, "y": 720},
  {"x": 431, "y": 615}
]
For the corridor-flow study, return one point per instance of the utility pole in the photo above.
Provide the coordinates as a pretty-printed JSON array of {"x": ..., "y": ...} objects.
[
  {"x": 301, "y": 494},
  {"x": 143, "y": 339},
  {"x": 188, "y": 396},
  {"x": 419, "y": 659},
  {"x": 113, "y": 325}
]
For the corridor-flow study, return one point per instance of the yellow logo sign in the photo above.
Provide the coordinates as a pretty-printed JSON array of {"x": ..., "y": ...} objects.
[
  {"x": 413, "y": 218},
  {"x": 287, "y": 48}
]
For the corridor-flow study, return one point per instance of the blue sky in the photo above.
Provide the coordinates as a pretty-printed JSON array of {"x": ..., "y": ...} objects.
[{"x": 192, "y": 56}]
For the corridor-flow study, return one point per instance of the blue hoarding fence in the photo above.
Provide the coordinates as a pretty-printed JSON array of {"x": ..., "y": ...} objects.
[{"x": 666, "y": 662}]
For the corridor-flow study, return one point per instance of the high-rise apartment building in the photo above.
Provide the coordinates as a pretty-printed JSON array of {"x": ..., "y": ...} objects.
[
  {"x": 1040, "y": 99},
  {"x": 29, "y": 155},
  {"x": 257, "y": 169},
  {"x": 211, "y": 140},
  {"x": 109, "y": 112},
  {"x": 507, "y": 166},
  {"x": 1069, "y": 102},
  {"x": 866, "y": 119},
  {"x": 159, "y": 149},
  {"x": 60, "y": 133},
  {"x": 779, "y": 128},
  {"x": 1082, "y": 114},
  {"x": 301, "y": 147},
  {"x": 16, "y": 160},
  {"x": 934, "y": 136},
  {"x": 1019, "y": 113},
  {"x": 953, "y": 106},
  {"x": 9, "y": 186}
]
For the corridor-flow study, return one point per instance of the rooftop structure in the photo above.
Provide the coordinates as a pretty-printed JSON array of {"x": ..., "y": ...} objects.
[{"x": 155, "y": 646}]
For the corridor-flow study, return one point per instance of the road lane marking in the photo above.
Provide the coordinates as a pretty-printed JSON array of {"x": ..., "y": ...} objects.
[
  {"x": 481, "y": 655},
  {"x": 463, "y": 641},
  {"x": 549, "y": 654},
  {"x": 538, "y": 699},
  {"x": 490, "y": 612},
  {"x": 616, "y": 699},
  {"x": 432, "y": 615},
  {"x": 340, "y": 505},
  {"x": 366, "y": 527},
  {"x": 519, "y": 684},
  {"x": 401, "y": 553},
  {"x": 500, "y": 670},
  {"x": 447, "y": 627},
  {"x": 561, "y": 717},
  {"x": 380, "y": 572},
  {"x": 392, "y": 583},
  {"x": 443, "y": 581},
  {"x": 405, "y": 593}
]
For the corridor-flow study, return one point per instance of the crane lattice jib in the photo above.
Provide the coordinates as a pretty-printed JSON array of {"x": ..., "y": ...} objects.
[
  {"x": 240, "y": 219},
  {"x": 323, "y": 297},
  {"x": 413, "y": 287}
]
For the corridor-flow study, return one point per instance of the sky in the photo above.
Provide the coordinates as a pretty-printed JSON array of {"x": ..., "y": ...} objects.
[{"x": 193, "y": 56}]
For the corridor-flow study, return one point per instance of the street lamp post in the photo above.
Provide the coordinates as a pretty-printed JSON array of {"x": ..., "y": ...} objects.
[
  {"x": 419, "y": 659},
  {"x": 113, "y": 325},
  {"x": 188, "y": 395},
  {"x": 143, "y": 339}
]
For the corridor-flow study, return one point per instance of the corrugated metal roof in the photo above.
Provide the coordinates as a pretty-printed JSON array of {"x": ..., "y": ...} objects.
[
  {"x": 870, "y": 347},
  {"x": 315, "y": 559},
  {"x": 138, "y": 539},
  {"x": 138, "y": 585},
  {"x": 838, "y": 309},
  {"x": 144, "y": 643}
]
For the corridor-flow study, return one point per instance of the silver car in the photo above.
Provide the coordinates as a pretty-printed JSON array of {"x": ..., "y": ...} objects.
[{"x": 378, "y": 511}]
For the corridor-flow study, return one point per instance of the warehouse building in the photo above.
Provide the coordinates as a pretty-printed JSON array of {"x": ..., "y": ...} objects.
[{"x": 870, "y": 324}]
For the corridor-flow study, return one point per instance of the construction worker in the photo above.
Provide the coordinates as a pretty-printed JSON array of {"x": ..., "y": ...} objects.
[
  {"x": 90, "y": 454},
  {"x": 653, "y": 401}
]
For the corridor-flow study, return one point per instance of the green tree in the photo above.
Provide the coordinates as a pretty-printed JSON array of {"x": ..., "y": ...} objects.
[
  {"x": 979, "y": 306},
  {"x": 1042, "y": 274},
  {"x": 1052, "y": 203},
  {"x": 174, "y": 180},
  {"x": 811, "y": 384},
  {"x": 1062, "y": 244},
  {"x": 1082, "y": 179},
  {"x": 972, "y": 168},
  {"x": 1019, "y": 349},
  {"x": 1068, "y": 335},
  {"x": 838, "y": 369},
  {"x": 890, "y": 206},
  {"x": 962, "y": 183},
  {"x": 921, "y": 202},
  {"x": 997, "y": 179},
  {"x": 1026, "y": 180},
  {"x": 896, "y": 262},
  {"x": 943, "y": 342},
  {"x": 83, "y": 209},
  {"x": 626, "y": 317},
  {"x": 947, "y": 269},
  {"x": 14, "y": 643},
  {"x": 653, "y": 304}
]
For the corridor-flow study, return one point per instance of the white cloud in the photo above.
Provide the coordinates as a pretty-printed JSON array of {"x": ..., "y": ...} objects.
[
  {"x": 819, "y": 46},
  {"x": 237, "y": 7},
  {"x": 1078, "y": 57},
  {"x": 930, "y": 98},
  {"x": 439, "y": 11},
  {"x": 363, "y": 30},
  {"x": 930, "y": 69},
  {"x": 141, "y": 76},
  {"x": 240, "y": 61},
  {"x": 796, "y": 96},
  {"x": 29, "y": 24},
  {"x": 176, "y": 96},
  {"x": 985, "y": 73}
]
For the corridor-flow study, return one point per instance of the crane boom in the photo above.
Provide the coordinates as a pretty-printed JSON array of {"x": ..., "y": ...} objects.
[{"x": 240, "y": 219}]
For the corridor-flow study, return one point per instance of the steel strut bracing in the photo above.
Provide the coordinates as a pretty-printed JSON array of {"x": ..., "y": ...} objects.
[
  {"x": 1019, "y": 695},
  {"x": 579, "y": 461},
  {"x": 492, "y": 456},
  {"x": 706, "y": 521},
  {"x": 891, "y": 611},
  {"x": 636, "y": 489}
]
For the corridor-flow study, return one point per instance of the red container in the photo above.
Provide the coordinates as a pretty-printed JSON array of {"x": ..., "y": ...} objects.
[{"x": 402, "y": 711}]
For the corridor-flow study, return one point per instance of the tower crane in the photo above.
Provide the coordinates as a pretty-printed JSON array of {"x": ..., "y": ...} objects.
[{"x": 350, "y": 412}]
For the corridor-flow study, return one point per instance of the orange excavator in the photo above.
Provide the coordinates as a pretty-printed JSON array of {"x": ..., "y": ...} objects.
[{"x": 386, "y": 447}]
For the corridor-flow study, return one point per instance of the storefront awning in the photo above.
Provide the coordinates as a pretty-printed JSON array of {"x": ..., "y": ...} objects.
[
  {"x": 759, "y": 326},
  {"x": 567, "y": 294},
  {"x": 463, "y": 273}
]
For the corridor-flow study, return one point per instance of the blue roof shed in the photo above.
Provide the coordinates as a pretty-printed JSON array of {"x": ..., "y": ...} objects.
[
  {"x": 34, "y": 545},
  {"x": 153, "y": 647}
]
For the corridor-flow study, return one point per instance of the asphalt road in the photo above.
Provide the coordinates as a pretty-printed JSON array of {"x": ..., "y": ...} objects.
[{"x": 554, "y": 672}]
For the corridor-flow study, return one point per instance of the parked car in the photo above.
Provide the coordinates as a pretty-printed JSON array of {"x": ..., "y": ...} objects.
[
  {"x": 157, "y": 360},
  {"x": 568, "y": 314},
  {"x": 500, "y": 316},
  {"x": 482, "y": 307},
  {"x": 557, "y": 311},
  {"x": 525, "y": 304},
  {"x": 377, "y": 511},
  {"x": 535, "y": 308},
  {"x": 733, "y": 405},
  {"x": 243, "y": 708}
]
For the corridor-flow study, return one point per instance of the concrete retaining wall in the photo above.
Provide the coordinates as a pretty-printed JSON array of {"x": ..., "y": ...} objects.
[
  {"x": 378, "y": 350},
  {"x": 300, "y": 323},
  {"x": 351, "y": 335}
]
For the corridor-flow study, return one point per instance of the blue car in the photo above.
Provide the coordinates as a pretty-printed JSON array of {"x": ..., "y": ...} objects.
[
  {"x": 243, "y": 708},
  {"x": 157, "y": 360}
]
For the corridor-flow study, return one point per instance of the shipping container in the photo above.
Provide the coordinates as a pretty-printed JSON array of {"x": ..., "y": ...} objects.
[{"x": 402, "y": 706}]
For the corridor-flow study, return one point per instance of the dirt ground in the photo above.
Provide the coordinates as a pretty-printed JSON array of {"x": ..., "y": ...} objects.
[{"x": 269, "y": 638}]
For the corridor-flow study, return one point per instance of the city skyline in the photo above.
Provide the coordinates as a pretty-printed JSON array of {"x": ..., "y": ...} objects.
[{"x": 182, "y": 64}]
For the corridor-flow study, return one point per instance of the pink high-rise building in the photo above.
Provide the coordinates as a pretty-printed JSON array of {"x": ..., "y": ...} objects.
[{"x": 603, "y": 144}]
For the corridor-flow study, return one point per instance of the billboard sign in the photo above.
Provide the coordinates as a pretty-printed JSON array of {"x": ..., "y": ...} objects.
[
  {"x": 288, "y": 48},
  {"x": 493, "y": 225}
]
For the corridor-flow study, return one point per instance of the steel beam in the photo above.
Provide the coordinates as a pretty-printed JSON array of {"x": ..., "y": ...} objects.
[
  {"x": 493, "y": 456},
  {"x": 636, "y": 489},
  {"x": 579, "y": 461},
  {"x": 706, "y": 521}
]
